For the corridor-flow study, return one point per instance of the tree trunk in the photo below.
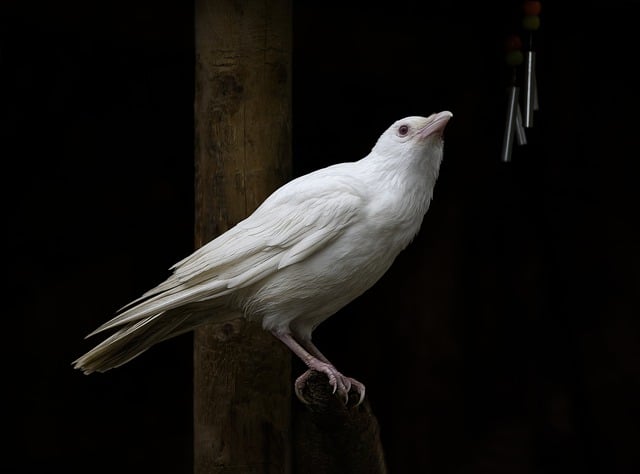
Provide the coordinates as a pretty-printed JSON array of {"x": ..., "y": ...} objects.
[{"x": 242, "y": 375}]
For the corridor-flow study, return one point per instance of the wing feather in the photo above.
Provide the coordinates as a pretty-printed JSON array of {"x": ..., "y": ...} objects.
[{"x": 291, "y": 225}]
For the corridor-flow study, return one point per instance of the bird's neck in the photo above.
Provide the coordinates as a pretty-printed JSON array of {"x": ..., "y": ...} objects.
[
  {"x": 407, "y": 185},
  {"x": 409, "y": 174}
]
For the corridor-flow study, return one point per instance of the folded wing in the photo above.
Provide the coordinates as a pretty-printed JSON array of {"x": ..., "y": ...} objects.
[{"x": 291, "y": 225}]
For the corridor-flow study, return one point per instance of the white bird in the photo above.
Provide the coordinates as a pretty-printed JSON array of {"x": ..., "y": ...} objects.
[{"x": 313, "y": 246}]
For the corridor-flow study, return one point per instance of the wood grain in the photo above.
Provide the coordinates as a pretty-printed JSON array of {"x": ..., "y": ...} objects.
[{"x": 242, "y": 375}]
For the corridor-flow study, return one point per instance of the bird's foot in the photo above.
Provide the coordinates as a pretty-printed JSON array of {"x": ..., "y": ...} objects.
[{"x": 341, "y": 384}]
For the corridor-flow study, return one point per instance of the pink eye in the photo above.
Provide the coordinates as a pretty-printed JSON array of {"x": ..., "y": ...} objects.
[{"x": 403, "y": 130}]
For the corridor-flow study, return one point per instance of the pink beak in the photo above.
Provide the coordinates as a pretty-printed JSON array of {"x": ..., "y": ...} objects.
[{"x": 437, "y": 123}]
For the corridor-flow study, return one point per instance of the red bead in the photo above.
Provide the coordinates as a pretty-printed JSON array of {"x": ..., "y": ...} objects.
[
  {"x": 531, "y": 8},
  {"x": 513, "y": 43}
]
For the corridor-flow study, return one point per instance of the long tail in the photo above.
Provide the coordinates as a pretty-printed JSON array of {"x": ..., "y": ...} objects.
[{"x": 136, "y": 337}]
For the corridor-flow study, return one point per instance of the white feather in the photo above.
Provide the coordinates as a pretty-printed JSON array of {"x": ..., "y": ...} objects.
[{"x": 314, "y": 245}]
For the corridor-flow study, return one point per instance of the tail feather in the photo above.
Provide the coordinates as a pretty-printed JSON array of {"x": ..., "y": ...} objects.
[
  {"x": 172, "y": 298},
  {"x": 136, "y": 337}
]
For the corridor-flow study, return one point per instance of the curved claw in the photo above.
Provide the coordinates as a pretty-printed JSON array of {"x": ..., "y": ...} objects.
[
  {"x": 359, "y": 389},
  {"x": 299, "y": 385},
  {"x": 340, "y": 384}
]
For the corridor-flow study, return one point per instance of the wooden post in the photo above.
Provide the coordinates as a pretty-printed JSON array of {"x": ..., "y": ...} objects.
[
  {"x": 242, "y": 375},
  {"x": 331, "y": 438}
]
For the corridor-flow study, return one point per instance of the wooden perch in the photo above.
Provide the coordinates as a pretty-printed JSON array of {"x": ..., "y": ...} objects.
[
  {"x": 242, "y": 388},
  {"x": 243, "y": 153},
  {"x": 331, "y": 438}
]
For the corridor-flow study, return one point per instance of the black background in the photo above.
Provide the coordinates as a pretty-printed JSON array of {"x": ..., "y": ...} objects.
[{"x": 504, "y": 339}]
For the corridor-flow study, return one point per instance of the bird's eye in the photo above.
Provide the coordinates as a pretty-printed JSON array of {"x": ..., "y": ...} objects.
[{"x": 403, "y": 130}]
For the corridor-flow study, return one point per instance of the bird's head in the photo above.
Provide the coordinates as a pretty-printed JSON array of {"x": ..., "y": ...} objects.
[{"x": 411, "y": 138}]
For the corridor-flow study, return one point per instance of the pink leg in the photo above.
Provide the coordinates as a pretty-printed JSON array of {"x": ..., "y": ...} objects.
[
  {"x": 311, "y": 348},
  {"x": 348, "y": 381},
  {"x": 315, "y": 360}
]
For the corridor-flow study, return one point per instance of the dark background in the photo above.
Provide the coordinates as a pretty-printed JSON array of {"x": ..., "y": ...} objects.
[{"x": 504, "y": 339}]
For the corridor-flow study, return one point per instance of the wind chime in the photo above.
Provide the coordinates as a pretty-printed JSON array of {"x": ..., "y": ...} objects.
[{"x": 515, "y": 122}]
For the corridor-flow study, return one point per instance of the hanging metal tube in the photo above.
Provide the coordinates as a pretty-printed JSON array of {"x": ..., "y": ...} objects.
[
  {"x": 521, "y": 134},
  {"x": 512, "y": 109},
  {"x": 530, "y": 92}
]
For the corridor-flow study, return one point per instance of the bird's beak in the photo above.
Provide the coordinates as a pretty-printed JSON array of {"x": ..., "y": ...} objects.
[{"x": 436, "y": 124}]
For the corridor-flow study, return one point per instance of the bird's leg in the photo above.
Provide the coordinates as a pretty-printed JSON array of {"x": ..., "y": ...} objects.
[
  {"x": 350, "y": 383},
  {"x": 315, "y": 360},
  {"x": 314, "y": 363},
  {"x": 311, "y": 348}
]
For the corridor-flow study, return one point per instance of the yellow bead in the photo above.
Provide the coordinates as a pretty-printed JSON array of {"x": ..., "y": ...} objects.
[
  {"x": 531, "y": 22},
  {"x": 514, "y": 58}
]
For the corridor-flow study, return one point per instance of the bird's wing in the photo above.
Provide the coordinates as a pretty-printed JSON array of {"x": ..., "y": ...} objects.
[
  {"x": 293, "y": 223},
  {"x": 285, "y": 229}
]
